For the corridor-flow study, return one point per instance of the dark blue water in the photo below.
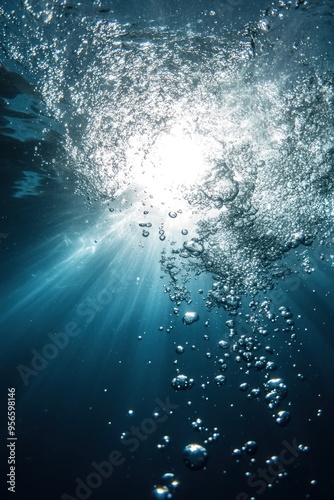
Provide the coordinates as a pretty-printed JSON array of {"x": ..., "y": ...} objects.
[{"x": 157, "y": 159}]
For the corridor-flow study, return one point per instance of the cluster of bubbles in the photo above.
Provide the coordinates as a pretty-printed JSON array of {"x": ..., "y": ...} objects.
[
  {"x": 283, "y": 418},
  {"x": 266, "y": 184},
  {"x": 276, "y": 391},
  {"x": 198, "y": 426},
  {"x": 250, "y": 448},
  {"x": 164, "y": 442},
  {"x": 252, "y": 349},
  {"x": 169, "y": 484}
]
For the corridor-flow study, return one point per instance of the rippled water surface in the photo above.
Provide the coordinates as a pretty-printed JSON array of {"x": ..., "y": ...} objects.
[{"x": 167, "y": 247}]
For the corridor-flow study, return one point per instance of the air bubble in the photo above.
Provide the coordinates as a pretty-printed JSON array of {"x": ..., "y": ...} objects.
[
  {"x": 161, "y": 493},
  {"x": 230, "y": 323},
  {"x": 182, "y": 383},
  {"x": 190, "y": 317},
  {"x": 250, "y": 447},
  {"x": 237, "y": 453},
  {"x": 220, "y": 380},
  {"x": 194, "y": 247},
  {"x": 222, "y": 189},
  {"x": 283, "y": 417},
  {"x": 195, "y": 456}
]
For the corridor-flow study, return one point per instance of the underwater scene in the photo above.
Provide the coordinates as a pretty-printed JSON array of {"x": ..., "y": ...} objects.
[{"x": 167, "y": 249}]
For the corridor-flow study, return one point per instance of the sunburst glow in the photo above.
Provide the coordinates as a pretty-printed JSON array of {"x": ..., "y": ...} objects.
[{"x": 175, "y": 160}]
